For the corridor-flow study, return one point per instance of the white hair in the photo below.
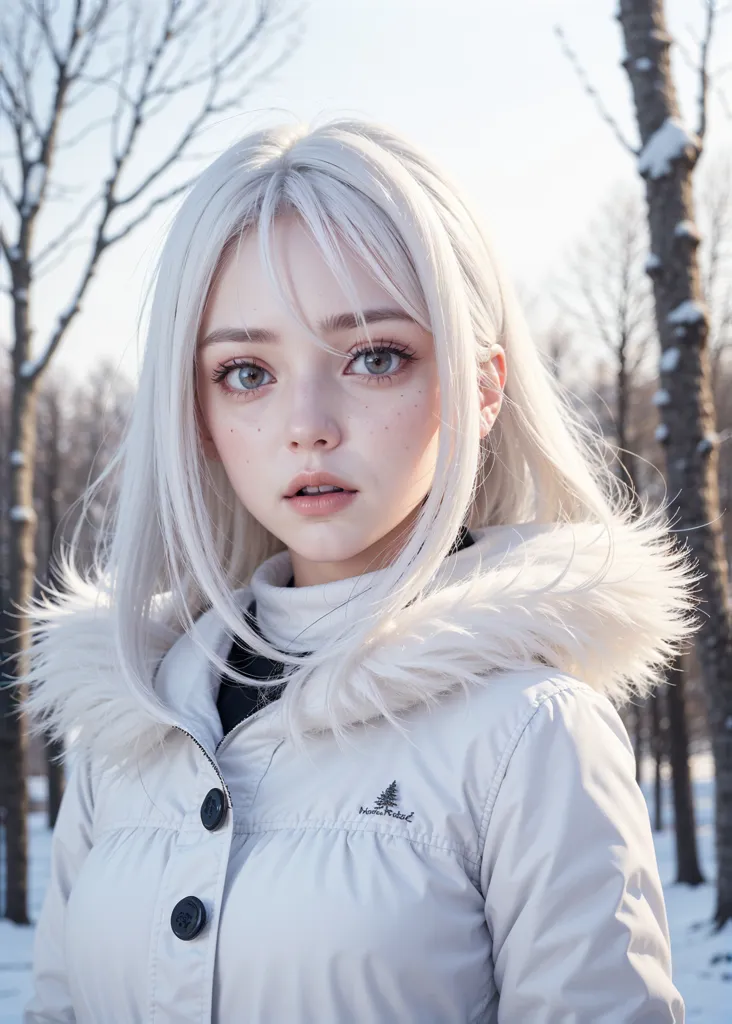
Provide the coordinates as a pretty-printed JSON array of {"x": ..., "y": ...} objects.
[{"x": 178, "y": 528}]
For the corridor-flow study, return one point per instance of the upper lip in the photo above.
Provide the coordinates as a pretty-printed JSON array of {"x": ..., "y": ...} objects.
[{"x": 315, "y": 480}]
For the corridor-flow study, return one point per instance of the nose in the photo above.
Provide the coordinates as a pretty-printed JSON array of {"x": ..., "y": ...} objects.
[{"x": 312, "y": 422}]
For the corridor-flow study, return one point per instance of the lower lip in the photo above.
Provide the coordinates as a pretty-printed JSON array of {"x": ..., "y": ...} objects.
[{"x": 321, "y": 504}]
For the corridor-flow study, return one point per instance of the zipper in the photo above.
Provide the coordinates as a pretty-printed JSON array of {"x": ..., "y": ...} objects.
[
  {"x": 238, "y": 728},
  {"x": 210, "y": 761}
]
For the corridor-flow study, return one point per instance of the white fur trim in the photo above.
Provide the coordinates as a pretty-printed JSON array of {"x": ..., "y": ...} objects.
[{"x": 609, "y": 611}]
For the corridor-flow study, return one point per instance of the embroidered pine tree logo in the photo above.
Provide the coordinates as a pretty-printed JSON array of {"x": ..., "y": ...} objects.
[
  {"x": 386, "y": 804},
  {"x": 388, "y": 798}
]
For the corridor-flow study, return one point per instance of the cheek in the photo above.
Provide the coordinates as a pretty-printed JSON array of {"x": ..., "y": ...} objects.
[{"x": 411, "y": 426}]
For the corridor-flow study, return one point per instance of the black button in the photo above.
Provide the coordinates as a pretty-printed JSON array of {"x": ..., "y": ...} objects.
[
  {"x": 213, "y": 809},
  {"x": 188, "y": 918}
]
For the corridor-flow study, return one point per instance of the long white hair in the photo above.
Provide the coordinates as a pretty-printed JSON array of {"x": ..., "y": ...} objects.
[{"x": 179, "y": 541}]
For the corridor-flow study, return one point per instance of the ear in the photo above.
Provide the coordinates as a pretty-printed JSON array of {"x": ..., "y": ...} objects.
[
  {"x": 207, "y": 442},
  {"x": 492, "y": 383}
]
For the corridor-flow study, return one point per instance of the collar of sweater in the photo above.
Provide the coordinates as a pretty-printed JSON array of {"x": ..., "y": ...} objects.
[
  {"x": 301, "y": 619},
  {"x": 608, "y": 607}
]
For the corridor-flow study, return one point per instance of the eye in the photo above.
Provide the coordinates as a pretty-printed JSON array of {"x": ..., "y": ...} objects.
[
  {"x": 383, "y": 360},
  {"x": 240, "y": 372}
]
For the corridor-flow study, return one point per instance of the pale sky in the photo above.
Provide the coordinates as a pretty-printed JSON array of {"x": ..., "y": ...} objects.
[{"x": 481, "y": 84}]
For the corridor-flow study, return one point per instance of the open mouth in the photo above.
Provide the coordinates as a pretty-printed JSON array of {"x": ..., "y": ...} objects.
[
  {"x": 312, "y": 501},
  {"x": 313, "y": 492}
]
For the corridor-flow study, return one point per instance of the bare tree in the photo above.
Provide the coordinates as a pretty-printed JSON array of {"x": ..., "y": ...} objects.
[
  {"x": 666, "y": 159},
  {"x": 687, "y": 857},
  {"x": 151, "y": 76},
  {"x": 49, "y": 430},
  {"x": 608, "y": 296}
]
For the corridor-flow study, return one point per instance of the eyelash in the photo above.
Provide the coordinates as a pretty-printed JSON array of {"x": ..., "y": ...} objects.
[{"x": 220, "y": 374}]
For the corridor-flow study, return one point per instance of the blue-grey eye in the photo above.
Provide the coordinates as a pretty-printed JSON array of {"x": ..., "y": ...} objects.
[
  {"x": 246, "y": 376},
  {"x": 380, "y": 361}
]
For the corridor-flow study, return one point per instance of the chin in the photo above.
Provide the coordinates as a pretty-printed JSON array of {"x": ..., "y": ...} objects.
[{"x": 327, "y": 550}]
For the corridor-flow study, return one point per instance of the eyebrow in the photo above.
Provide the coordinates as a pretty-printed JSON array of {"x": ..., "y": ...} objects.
[{"x": 329, "y": 324}]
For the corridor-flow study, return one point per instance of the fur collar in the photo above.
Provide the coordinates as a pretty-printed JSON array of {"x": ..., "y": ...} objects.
[{"x": 607, "y": 609}]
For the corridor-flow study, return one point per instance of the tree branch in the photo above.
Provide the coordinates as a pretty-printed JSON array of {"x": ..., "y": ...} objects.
[
  {"x": 704, "y": 67},
  {"x": 711, "y": 85},
  {"x": 180, "y": 27},
  {"x": 63, "y": 237},
  {"x": 152, "y": 205},
  {"x": 591, "y": 91}
]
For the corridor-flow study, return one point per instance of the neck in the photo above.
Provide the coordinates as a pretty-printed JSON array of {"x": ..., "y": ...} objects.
[{"x": 310, "y": 573}]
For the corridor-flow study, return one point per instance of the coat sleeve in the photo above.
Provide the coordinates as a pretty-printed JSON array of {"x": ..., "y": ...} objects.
[
  {"x": 72, "y": 840},
  {"x": 573, "y": 901}
]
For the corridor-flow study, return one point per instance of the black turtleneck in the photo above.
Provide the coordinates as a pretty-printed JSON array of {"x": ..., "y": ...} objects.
[{"x": 238, "y": 701}]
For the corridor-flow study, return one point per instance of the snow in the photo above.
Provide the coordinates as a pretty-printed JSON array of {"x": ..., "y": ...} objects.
[
  {"x": 661, "y": 397},
  {"x": 22, "y": 514},
  {"x": 667, "y": 145},
  {"x": 34, "y": 184},
  {"x": 643, "y": 64},
  {"x": 17, "y": 458},
  {"x": 661, "y": 433},
  {"x": 653, "y": 262},
  {"x": 689, "y": 312},
  {"x": 687, "y": 229},
  {"x": 670, "y": 360},
  {"x": 702, "y": 968},
  {"x": 707, "y": 443},
  {"x": 29, "y": 367}
]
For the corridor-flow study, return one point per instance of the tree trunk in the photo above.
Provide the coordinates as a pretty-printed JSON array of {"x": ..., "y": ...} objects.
[
  {"x": 638, "y": 741},
  {"x": 657, "y": 753},
  {"x": 15, "y": 643},
  {"x": 54, "y": 748},
  {"x": 688, "y": 418},
  {"x": 687, "y": 860}
]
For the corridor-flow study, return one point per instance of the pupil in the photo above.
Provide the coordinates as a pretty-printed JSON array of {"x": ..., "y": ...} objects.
[
  {"x": 380, "y": 357},
  {"x": 248, "y": 370}
]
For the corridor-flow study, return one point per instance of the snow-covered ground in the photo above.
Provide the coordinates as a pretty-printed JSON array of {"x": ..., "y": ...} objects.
[{"x": 702, "y": 960}]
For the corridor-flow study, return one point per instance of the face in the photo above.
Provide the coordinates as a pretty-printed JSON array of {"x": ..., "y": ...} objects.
[{"x": 273, "y": 405}]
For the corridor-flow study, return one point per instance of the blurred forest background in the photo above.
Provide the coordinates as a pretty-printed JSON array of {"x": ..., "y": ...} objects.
[{"x": 595, "y": 316}]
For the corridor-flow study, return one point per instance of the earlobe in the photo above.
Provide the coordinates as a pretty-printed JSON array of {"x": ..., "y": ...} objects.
[{"x": 491, "y": 391}]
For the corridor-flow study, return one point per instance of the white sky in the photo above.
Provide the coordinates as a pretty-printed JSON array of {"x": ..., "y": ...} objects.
[{"x": 481, "y": 84}]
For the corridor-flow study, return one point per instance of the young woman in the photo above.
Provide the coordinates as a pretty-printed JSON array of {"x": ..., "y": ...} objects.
[{"x": 344, "y": 677}]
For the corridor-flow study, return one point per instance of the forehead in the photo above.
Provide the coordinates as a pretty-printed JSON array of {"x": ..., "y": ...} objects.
[{"x": 244, "y": 296}]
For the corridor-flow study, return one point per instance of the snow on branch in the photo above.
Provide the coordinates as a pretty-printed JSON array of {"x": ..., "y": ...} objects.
[
  {"x": 22, "y": 514},
  {"x": 670, "y": 143},
  {"x": 687, "y": 229},
  {"x": 30, "y": 368},
  {"x": 688, "y": 312},
  {"x": 670, "y": 360},
  {"x": 661, "y": 398}
]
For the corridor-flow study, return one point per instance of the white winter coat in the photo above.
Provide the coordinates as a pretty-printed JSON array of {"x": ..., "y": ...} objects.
[{"x": 494, "y": 865}]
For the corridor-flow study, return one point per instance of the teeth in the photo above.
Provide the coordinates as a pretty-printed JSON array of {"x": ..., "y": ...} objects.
[{"x": 323, "y": 489}]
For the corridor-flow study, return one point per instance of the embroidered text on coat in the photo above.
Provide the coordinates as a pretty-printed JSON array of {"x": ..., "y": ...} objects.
[{"x": 386, "y": 803}]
